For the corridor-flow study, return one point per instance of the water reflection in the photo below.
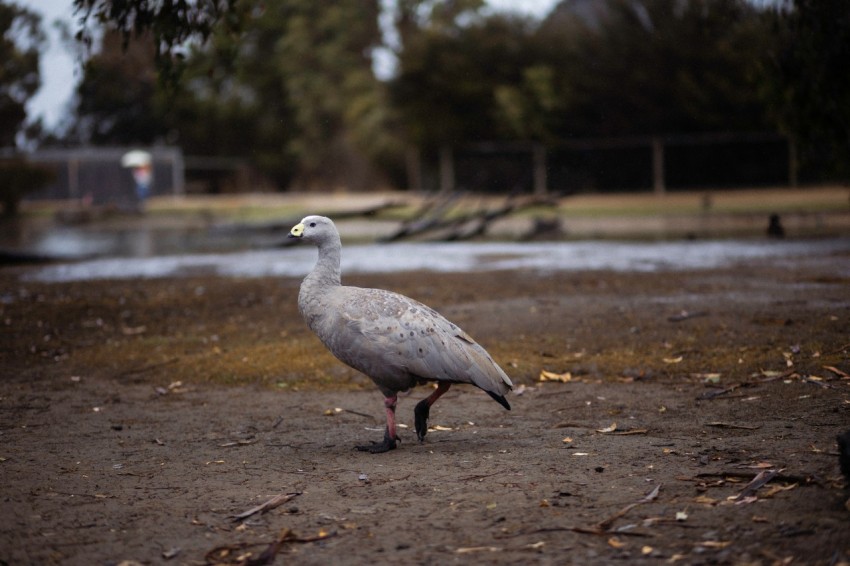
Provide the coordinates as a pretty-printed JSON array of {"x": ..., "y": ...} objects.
[
  {"x": 462, "y": 257},
  {"x": 88, "y": 241}
]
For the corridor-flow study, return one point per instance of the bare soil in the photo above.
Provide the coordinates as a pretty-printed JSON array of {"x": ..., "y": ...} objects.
[{"x": 137, "y": 418}]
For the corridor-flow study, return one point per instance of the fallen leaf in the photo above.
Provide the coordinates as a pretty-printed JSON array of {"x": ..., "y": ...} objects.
[
  {"x": 133, "y": 330},
  {"x": 838, "y": 372},
  {"x": 567, "y": 440},
  {"x": 237, "y": 443},
  {"x": 718, "y": 544},
  {"x": 676, "y": 360},
  {"x": 747, "y": 495},
  {"x": 707, "y": 377},
  {"x": 610, "y": 428},
  {"x": 558, "y": 377},
  {"x": 746, "y": 500},
  {"x": 646, "y": 549},
  {"x": 469, "y": 549},
  {"x": 774, "y": 489},
  {"x": 614, "y": 542},
  {"x": 705, "y": 500},
  {"x": 681, "y": 516},
  {"x": 439, "y": 427}
]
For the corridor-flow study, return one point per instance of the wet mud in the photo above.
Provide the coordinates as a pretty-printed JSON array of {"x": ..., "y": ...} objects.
[{"x": 688, "y": 417}]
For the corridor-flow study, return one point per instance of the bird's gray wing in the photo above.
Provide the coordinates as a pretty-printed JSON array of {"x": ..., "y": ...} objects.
[{"x": 394, "y": 339}]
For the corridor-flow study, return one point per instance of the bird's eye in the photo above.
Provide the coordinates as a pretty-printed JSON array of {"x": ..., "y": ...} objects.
[{"x": 312, "y": 224}]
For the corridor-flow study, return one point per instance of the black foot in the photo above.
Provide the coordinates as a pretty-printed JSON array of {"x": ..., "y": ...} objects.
[
  {"x": 379, "y": 447},
  {"x": 420, "y": 418}
]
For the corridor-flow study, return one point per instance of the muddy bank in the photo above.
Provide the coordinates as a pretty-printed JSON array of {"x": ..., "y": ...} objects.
[{"x": 138, "y": 417}]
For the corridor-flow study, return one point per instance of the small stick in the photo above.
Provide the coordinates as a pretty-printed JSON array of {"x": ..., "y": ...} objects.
[
  {"x": 649, "y": 497},
  {"x": 758, "y": 482},
  {"x": 275, "y": 501},
  {"x": 719, "y": 424}
]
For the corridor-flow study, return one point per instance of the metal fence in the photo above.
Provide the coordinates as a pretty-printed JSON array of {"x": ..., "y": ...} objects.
[
  {"x": 95, "y": 174},
  {"x": 661, "y": 163}
]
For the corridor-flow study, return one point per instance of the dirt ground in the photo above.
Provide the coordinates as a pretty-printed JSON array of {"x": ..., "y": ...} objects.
[{"x": 138, "y": 418}]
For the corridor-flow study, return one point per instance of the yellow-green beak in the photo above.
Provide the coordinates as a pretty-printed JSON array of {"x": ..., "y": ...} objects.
[{"x": 297, "y": 231}]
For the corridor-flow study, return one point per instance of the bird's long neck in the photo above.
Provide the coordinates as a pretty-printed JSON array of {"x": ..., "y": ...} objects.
[{"x": 326, "y": 273}]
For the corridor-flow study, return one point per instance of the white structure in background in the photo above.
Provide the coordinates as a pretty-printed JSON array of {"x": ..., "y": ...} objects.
[
  {"x": 98, "y": 175},
  {"x": 140, "y": 164}
]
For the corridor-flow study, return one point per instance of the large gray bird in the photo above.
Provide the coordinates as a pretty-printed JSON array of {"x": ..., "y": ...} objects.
[{"x": 396, "y": 341}]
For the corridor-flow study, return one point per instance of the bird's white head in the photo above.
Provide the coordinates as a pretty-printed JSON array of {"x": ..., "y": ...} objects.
[{"x": 315, "y": 229}]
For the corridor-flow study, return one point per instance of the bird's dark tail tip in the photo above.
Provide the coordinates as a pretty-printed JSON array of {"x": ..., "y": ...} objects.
[{"x": 500, "y": 399}]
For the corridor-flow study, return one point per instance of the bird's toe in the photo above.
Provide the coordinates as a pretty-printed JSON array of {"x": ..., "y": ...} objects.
[{"x": 386, "y": 445}]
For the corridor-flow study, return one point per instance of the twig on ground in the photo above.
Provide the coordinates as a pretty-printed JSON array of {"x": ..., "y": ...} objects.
[
  {"x": 758, "y": 482},
  {"x": 275, "y": 501},
  {"x": 226, "y": 554},
  {"x": 604, "y": 527}
]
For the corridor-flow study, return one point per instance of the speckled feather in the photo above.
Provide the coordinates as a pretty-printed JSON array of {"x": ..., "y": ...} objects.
[{"x": 395, "y": 340}]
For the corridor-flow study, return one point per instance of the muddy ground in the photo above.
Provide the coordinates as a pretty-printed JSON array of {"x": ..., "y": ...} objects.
[{"x": 139, "y": 417}]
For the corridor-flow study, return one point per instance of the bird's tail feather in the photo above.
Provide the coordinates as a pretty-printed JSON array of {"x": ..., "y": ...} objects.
[{"x": 500, "y": 399}]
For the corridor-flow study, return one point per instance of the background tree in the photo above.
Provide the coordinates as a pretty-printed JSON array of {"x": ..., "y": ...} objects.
[
  {"x": 810, "y": 86},
  {"x": 115, "y": 99},
  {"x": 289, "y": 84},
  {"x": 170, "y": 25},
  {"x": 293, "y": 93},
  {"x": 659, "y": 66},
  {"x": 454, "y": 59},
  {"x": 21, "y": 39},
  {"x": 340, "y": 113}
]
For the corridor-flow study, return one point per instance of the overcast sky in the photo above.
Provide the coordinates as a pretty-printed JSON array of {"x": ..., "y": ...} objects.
[{"x": 60, "y": 70}]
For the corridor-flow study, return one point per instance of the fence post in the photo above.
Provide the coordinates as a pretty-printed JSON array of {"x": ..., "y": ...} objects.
[
  {"x": 540, "y": 180},
  {"x": 74, "y": 177},
  {"x": 413, "y": 164},
  {"x": 792, "y": 162},
  {"x": 658, "y": 185},
  {"x": 447, "y": 170}
]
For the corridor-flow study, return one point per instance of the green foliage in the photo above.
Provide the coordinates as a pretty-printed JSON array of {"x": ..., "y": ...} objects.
[
  {"x": 170, "y": 24},
  {"x": 116, "y": 96},
  {"x": 636, "y": 67},
  {"x": 811, "y": 87},
  {"x": 451, "y": 69},
  {"x": 325, "y": 66},
  {"x": 21, "y": 39},
  {"x": 288, "y": 85}
]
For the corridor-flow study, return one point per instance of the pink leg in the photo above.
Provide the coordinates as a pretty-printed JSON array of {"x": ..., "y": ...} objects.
[
  {"x": 390, "y": 437},
  {"x": 389, "y": 404}
]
